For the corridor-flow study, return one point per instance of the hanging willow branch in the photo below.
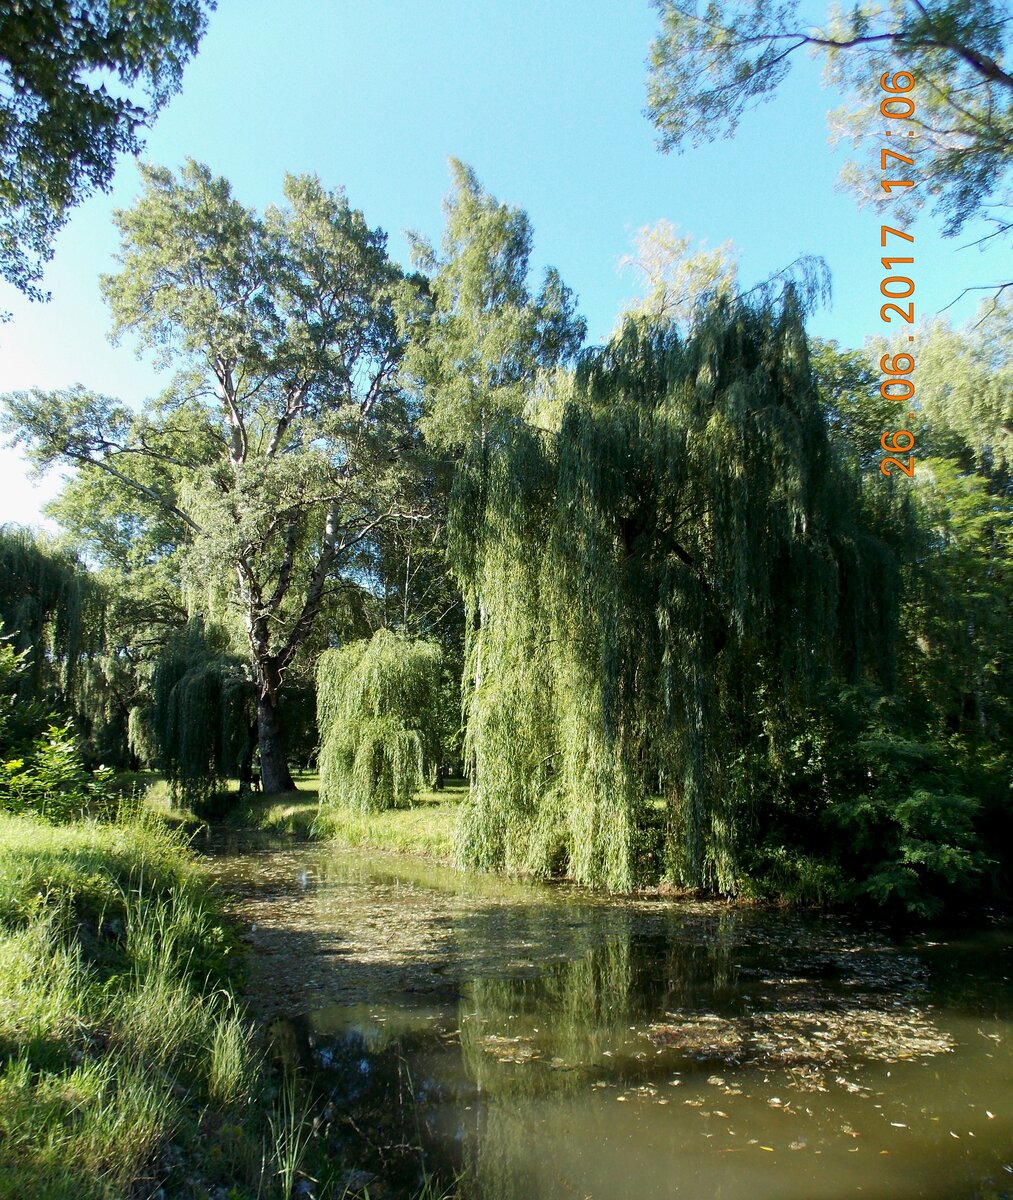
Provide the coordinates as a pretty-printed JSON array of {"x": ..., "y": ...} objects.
[
  {"x": 53, "y": 610},
  {"x": 378, "y": 711},
  {"x": 653, "y": 589},
  {"x": 202, "y": 714}
]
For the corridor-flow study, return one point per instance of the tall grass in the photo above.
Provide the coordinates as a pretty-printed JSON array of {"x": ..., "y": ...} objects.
[
  {"x": 127, "y": 1068},
  {"x": 116, "y": 1030}
]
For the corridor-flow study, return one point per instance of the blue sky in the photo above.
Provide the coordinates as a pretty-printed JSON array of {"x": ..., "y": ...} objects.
[{"x": 544, "y": 100}]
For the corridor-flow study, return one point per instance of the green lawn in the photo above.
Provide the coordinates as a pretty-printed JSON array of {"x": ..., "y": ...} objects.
[{"x": 426, "y": 828}]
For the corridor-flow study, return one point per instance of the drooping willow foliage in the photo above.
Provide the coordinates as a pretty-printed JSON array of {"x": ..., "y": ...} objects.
[
  {"x": 50, "y": 607},
  {"x": 378, "y": 712},
  {"x": 653, "y": 591},
  {"x": 202, "y": 714}
]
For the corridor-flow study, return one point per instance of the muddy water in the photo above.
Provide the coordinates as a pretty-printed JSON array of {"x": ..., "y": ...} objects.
[{"x": 545, "y": 1043}]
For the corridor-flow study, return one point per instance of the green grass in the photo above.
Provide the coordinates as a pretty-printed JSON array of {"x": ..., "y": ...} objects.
[
  {"x": 118, "y": 1032},
  {"x": 425, "y": 829},
  {"x": 126, "y": 1063}
]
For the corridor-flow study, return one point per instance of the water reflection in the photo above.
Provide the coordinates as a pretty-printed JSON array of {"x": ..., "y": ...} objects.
[{"x": 549, "y": 1043}]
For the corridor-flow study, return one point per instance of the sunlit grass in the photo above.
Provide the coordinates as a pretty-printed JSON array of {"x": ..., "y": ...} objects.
[
  {"x": 426, "y": 828},
  {"x": 115, "y": 1029}
]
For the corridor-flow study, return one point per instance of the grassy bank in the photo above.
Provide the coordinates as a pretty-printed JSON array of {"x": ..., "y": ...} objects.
[
  {"x": 425, "y": 829},
  {"x": 127, "y": 1069},
  {"x": 123, "y": 1056}
]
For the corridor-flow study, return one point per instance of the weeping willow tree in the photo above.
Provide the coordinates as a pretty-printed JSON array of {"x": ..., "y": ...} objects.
[
  {"x": 202, "y": 715},
  {"x": 53, "y": 611},
  {"x": 654, "y": 590},
  {"x": 380, "y": 720}
]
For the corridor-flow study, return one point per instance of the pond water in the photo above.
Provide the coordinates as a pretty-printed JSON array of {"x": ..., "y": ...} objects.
[{"x": 544, "y": 1042}]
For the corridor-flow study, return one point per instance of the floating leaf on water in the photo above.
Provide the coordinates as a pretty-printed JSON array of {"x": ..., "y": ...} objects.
[
  {"x": 807, "y": 1038},
  {"x": 505, "y": 1049},
  {"x": 701, "y": 1036}
]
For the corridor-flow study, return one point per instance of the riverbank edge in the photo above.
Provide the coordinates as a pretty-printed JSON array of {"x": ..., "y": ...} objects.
[
  {"x": 424, "y": 830},
  {"x": 425, "y": 833},
  {"x": 128, "y": 1065}
]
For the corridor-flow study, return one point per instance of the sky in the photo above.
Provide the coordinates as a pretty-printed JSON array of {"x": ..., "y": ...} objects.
[{"x": 544, "y": 100}]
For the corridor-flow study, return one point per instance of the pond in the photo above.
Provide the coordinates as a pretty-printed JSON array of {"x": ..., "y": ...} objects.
[{"x": 545, "y": 1042}]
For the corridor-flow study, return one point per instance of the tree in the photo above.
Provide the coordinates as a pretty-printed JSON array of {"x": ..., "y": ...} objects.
[
  {"x": 956, "y": 613},
  {"x": 674, "y": 279},
  {"x": 679, "y": 282},
  {"x": 965, "y": 389},
  {"x": 481, "y": 343},
  {"x": 858, "y": 413},
  {"x": 53, "y": 614},
  {"x": 61, "y": 130},
  {"x": 920, "y": 780},
  {"x": 708, "y": 67},
  {"x": 40, "y": 763},
  {"x": 276, "y": 452},
  {"x": 380, "y": 720},
  {"x": 654, "y": 591},
  {"x": 202, "y": 713},
  {"x": 479, "y": 335}
]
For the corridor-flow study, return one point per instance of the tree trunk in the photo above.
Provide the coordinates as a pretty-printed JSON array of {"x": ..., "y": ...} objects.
[
  {"x": 274, "y": 773},
  {"x": 247, "y": 781}
]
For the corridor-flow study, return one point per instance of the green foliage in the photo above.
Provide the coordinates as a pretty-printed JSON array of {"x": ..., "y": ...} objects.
[
  {"x": 69, "y": 627},
  {"x": 117, "y": 1026},
  {"x": 202, "y": 713},
  {"x": 965, "y": 389},
  {"x": 848, "y": 382},
  {"x": 51, "y": 780},
  {"x": 711, "y": 65},
  {"x": 41, "y": 767},
  {"x": 957, "y": 611},
  {"x": 52, "y": 609},
  {"x": 653, "y": 589},
  {"x": 280, "y": 446},
  {"x": 674, "y": 277},
  {"x": 479, "y": 336},
  {"x": 61, "y": 129},
  {"x": 931, "y": 804},
  {"x": 867, "y": 808},
  {"x": 380, "y": 720}
]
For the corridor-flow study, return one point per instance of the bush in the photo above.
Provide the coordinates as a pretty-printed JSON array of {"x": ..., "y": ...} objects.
[
  {"x": 858, "y": 806},
  {"x": 41, "y": 769},
  {"x": 51, "y": 780}
]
